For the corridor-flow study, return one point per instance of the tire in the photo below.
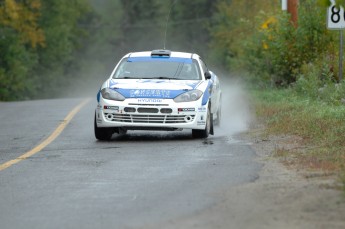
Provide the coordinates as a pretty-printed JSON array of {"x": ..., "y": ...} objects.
[
  {"x": 102, "y": 134},
  {"x": 208, "y": 128}
]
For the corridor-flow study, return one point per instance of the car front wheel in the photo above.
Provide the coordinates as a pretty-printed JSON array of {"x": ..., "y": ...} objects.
[
  {"x": 103, "y": 134},
  {"x": 208, "y": 128}
]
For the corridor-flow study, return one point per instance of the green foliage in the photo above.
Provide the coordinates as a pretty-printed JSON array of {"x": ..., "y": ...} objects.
[
  {"x": 188, "y": 28},
  {"x": 19, "y": 37},
  {"x": 281, "y": 57},
  {"x": 327, "y": 3},
  {"x": 276, "y": 49},
  {"x": 39, "y": 44},
  {"x": 320, "y": 126},
  {"x": 267, "y": 44},
  {"x": 309, "y": 81},
  {"x": 140, "y": 25},
  {"x": 233, "y": 38},
  {"x": 104, "y": 44},
  {"x": 22, "y": 17},
  {"x": 16, "y": 62},
  {"x": 136, "y": 25},
  {"x": 63, "y": 42},
  {"x": 60, "y": 21},
  {"x": 317, "y": 82}
]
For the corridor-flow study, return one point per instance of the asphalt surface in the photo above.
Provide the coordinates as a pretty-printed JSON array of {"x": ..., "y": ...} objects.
[{"x": 135, "y": 180}]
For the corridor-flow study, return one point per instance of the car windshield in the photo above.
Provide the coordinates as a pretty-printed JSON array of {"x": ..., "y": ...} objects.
[{"x": 158, "y": 68}]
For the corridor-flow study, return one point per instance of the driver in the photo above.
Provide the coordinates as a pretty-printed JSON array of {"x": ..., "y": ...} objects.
[{"x": 186, "y": 72}]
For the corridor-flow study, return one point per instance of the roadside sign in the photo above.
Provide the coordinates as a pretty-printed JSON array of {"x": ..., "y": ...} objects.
[
  {"x": 335, "y": 17},
  {"x": 284, "y": 4}
]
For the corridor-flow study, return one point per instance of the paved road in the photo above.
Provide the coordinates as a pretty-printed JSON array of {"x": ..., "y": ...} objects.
[{"x": 133, "y": 181}]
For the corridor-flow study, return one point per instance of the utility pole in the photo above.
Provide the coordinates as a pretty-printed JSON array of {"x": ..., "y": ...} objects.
[{"x": 292, "y": 8}]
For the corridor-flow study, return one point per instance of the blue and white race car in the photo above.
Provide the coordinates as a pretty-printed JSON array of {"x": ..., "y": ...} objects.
[{"x": 159, "y": 90}]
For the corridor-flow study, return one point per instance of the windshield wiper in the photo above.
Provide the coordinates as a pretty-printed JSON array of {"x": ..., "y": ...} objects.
[
  {"x": 128, "y": 77},
  {"x": 165, "y": 78},
  {"x": 148, "y": 78}
]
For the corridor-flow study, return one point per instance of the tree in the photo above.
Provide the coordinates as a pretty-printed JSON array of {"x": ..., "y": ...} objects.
[
  {"x": 234, "y": 22},
  {"x": 21, "y": 35},
  {"x": 60, "y": 22},
  {"x": 141, "y": 25},
  {"x": 267, "y": 43},
  {"x": 327, "y": 3},
  {"x": 106, "y": 39},
  {"x": 22, "y": 17},
  {"x": 190, "y": 21}
]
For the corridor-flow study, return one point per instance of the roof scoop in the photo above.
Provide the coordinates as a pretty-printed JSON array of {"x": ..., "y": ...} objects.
[{"x": 161, "y": 53}]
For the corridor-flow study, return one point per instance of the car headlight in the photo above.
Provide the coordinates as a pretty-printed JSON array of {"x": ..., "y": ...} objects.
[
  {"x": 189, "y": 96},
  {"x": 108, "y": 93}
]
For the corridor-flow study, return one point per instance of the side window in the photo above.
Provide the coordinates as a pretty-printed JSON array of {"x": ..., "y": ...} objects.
[{"x": 203, "y": 66}]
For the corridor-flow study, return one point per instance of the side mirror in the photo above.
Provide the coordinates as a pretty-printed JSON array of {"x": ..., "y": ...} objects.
[{"x": 207, "y": 75}]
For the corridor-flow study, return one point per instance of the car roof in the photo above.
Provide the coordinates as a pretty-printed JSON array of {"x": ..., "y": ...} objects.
[{"x": 167, "y": 53}]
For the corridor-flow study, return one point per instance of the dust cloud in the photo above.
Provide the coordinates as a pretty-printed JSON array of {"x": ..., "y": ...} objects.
[{"x": 236, "y": 110}]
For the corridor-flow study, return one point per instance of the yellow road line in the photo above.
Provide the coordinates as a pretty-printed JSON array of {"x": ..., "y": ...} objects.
[{"x": 48, "y": 140}]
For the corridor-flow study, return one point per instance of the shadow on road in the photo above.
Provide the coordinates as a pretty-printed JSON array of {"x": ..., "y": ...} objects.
[{"x": 134, "y": 136}]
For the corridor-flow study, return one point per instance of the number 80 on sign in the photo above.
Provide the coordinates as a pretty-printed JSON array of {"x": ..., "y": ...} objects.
[{"x": 336, "y": 17}]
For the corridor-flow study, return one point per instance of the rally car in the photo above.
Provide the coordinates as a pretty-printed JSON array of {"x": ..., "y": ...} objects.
[{"x": 158, "y": 90}]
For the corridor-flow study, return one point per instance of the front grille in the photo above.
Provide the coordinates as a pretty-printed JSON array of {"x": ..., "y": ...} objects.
[
  {"x": 146, "y": 104},
  {"x": 147, "y": 110},
  {"x": 163, "y": 119},
  {"x": 129, "y": 109},
  {"x": 166, "y": 110}
]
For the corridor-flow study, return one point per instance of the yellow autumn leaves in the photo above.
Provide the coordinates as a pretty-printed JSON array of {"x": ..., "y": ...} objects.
[{"x": 23, "y": 17}]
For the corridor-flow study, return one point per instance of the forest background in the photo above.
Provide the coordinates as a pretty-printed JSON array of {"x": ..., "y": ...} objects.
[{"x": 49, "y": 48}]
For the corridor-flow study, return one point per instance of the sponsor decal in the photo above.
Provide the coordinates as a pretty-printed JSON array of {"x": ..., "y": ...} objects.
[
  {"x": 160, "y": 59},
  {"x": 152, "y": 88},
  {"x": 202, "y": 109},
  {"x": 150, "y": 100},
  {"x": 185, "y": 109},
  {"x": 149, "y": 93},
  {"x": 116, "y": 108}
]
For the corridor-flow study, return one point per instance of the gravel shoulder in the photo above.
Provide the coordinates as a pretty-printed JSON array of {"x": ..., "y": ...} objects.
[
  {"x": 281, "y": 197},
  {"x": 287, "y": 197}
]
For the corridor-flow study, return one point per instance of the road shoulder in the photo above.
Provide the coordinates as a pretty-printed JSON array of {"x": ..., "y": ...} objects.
[
  {"x": 281, "y": 197},
  {"x": 291, "y": 197}
]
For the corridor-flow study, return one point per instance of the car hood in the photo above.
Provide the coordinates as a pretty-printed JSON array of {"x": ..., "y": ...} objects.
[{"x": 150, "y": 88}]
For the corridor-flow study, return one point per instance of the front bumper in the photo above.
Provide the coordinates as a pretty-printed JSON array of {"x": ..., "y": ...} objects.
[{"x": 151, "y": 113}]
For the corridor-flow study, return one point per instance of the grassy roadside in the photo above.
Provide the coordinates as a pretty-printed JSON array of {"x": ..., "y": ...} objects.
[{"x": 321, "y": 126}]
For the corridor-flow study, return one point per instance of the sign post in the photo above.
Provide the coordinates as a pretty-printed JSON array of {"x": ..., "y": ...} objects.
[
  {"x": 336, "y": 21},
  {"x": 341, "y": 56}
]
